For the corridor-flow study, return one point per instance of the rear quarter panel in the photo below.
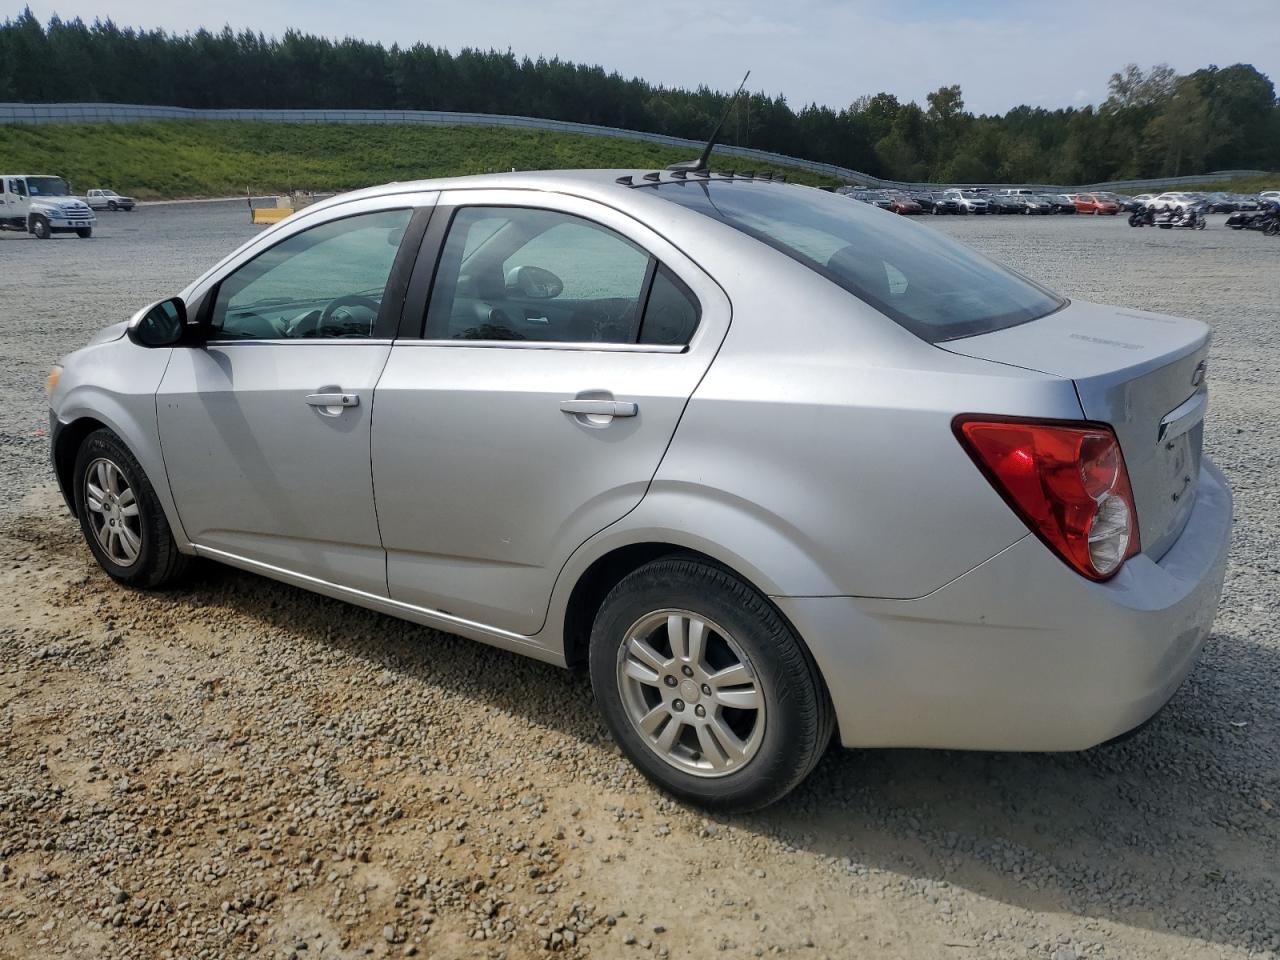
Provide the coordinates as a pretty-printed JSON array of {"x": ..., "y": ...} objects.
[{"x": 817, "y": 455}]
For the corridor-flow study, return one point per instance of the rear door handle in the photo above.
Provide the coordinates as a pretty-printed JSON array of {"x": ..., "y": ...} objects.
[
  {"x": 599, "y": 408},
  {"x": 333, "y": 399}
]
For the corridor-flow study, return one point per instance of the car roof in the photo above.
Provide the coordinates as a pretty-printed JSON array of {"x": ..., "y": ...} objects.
[{"x": 593, "y": 184}]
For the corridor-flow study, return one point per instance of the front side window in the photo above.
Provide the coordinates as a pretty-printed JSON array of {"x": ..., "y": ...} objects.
[
  {"x": 517, "y": 273},
  {"x": 328, "y": 281},
  {"x": 933, "y": 286}
]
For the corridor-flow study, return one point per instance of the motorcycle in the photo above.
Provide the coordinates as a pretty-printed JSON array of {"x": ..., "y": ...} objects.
[
  {"x": 1190, "y": 218},
  {"x": 1143, "y": 216},
  {"x": 1266, "y": 219}
]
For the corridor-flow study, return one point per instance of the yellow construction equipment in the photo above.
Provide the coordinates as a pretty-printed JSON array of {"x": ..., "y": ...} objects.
[
  {"x": 268, "y": 209},
  {"x": 268, "y": 214}
]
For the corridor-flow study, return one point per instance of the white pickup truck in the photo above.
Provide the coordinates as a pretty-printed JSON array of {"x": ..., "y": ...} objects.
[{"x": 42, "y": 206}]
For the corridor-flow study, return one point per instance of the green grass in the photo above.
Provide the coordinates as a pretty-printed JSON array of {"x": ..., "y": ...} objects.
[
  {"x": 211, "y": 158},
  {"x": 1268, "y": 181}
]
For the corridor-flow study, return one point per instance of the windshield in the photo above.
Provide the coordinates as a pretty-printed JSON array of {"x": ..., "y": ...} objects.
[
  {"x": 48, "y": 187},
  {"x": 935, "y": 287}
]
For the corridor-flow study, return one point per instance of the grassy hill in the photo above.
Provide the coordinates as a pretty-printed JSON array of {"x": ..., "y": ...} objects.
[
  {"x": 1268, "y": 181},
  {"x": 169, "y": 159}
]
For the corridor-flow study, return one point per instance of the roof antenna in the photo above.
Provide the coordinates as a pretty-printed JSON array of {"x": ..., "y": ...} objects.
[{"x": 693, "y": 166}]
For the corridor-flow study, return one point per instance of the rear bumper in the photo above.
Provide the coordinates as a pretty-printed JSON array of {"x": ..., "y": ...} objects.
[{"x": 1020, "y": 653}]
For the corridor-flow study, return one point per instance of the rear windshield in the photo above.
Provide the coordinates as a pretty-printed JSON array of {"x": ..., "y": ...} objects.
[{"x": 937, "y": 288}]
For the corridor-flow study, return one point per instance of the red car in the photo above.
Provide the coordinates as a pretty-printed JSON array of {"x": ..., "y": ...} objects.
[
  {"x": 1092, "y": 203},
  {"x": 904, "y": 205}
]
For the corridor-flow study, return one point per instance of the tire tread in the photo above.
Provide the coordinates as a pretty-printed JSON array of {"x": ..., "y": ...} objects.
[
  {"x": 811, "y": 706},
  {"x": 165, "y": 564}
]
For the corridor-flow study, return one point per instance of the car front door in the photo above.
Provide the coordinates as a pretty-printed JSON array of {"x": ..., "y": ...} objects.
[
  {"x": 562, "y": 342},
  {"x": 265, "y": 428},
  {"x": 17, "y": 204}
]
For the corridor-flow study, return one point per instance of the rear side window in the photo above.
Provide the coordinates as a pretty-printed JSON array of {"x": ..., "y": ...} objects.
[
  {"x": 935, "y": 287},
  {"x": 672, "y": 313},
  {"x": 525, "y": 274}
]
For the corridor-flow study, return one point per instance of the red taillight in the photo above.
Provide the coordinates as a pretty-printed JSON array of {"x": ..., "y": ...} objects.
[{"x": 1067, "y": 482}]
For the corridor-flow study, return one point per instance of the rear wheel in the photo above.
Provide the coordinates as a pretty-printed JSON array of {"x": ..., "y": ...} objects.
[
  {"x": 121, "y": 516},
  {"x": 40, "y": 228},
  {"x": 706, "y": 688}
]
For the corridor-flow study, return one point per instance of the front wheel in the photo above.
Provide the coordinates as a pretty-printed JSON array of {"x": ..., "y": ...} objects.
[
  {"x": 705, "y": 687},
  {"x": 84, "y": 233},
  {"x": 40, "y": 228},
  {"x": 121, "y": 516}
]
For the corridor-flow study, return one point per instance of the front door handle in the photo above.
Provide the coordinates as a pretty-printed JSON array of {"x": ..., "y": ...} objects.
[
  {"x": 333, "y": 399},
  {"x": 599, "y": 408}
]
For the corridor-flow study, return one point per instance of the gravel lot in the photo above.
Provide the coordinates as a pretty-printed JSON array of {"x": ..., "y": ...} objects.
[{"x": 239, "y": 768}]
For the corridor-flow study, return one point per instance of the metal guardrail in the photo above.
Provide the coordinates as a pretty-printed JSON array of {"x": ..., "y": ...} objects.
[{"x": 47, "y": 113}]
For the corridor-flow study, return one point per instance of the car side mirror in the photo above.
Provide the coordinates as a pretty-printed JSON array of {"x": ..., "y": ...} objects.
[
  {"x": 536, "y": 283},
  {"x": 162, "y": 324}
]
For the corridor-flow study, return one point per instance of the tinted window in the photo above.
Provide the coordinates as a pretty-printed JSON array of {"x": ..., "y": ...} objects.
[
  {"x": 671, "y": 315},
  {"x": 328, "y": 281},
  {"x": 513, "y": 273},
  {"x": 935, "y": 287}
]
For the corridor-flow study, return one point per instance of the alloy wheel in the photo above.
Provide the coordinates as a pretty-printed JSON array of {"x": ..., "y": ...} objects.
[
  {"x": 691, "y": 693},
  {"x": 113, "y": 512}
]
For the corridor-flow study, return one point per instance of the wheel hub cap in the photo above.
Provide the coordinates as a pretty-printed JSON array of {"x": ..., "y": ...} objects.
[{"x": 691, "y": 693}]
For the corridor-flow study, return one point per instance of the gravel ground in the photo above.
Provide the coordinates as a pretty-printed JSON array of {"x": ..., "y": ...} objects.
[{"x": 239, "y": 768}]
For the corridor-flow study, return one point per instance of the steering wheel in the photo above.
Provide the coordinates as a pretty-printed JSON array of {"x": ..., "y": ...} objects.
[{"x": 351, "y": 300}]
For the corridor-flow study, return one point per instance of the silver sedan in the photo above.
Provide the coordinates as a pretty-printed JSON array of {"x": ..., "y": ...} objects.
[{"x": 772, "y": 465}]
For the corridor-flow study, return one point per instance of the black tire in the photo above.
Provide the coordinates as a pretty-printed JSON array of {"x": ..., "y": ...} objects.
[
  {"x": 158, "y": 563},
  {"x": 40, "y": 228},
  {"x": 111, "y": 205},
  {"x": 798, "y": 718},
  {"x": 84, "y": 233}
]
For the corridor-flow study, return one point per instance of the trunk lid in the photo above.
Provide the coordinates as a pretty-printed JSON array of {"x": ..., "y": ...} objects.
[{"x": 1144, "y": 374}]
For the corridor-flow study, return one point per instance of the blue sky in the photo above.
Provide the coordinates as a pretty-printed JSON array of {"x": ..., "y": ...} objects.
[{"x": 1001, "y": 52}]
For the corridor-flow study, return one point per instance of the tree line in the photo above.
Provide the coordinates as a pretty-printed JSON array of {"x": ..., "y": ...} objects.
[{"x": 1154, "y": 122}]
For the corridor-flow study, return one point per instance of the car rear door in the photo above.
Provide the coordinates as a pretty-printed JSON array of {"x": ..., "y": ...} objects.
[
  {"x": 265, "y": 428},
  {"x": 525, "y": 415}
]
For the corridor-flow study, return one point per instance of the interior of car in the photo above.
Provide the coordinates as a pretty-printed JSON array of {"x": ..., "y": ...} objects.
[{"x": 523, "y": 274}]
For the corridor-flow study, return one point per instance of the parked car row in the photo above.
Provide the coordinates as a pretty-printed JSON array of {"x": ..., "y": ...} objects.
[
  {"x": 981, "y": 200},
  {"x": 1027, "y": 200},
  {"x": 1218, "y": 202}
]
